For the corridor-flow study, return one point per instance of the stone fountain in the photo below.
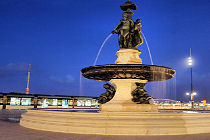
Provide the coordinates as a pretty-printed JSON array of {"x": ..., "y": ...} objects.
[{"x": 125, "y": 107}]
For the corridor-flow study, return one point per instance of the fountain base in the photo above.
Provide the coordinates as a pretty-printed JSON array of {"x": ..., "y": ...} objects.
[
  {"x": 117, "y": 107},
  {"x": 117, "y": 123}
]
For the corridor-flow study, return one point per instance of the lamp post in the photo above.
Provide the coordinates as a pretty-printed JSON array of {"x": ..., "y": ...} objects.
[
  {"x": 27, "y": 88},
  {"x": 190, "y": 63},
  {"x": 192, "y": 97}
]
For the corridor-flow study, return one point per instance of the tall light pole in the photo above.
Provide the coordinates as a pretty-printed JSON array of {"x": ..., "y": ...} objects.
[
  {"x": 190, "y": 63},
  {"x": 27, "y": 88}
]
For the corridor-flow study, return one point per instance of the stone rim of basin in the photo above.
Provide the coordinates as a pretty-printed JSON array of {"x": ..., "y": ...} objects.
[{"x": 152, "y": 73}]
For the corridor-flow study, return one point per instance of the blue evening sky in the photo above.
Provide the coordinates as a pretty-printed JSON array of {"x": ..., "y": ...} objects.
[{"x": 60, "y": 37}]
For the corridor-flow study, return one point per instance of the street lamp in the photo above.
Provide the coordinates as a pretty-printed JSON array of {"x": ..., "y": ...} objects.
[
  {"x": 190, "y": 63},
  {"x": 191, "y": 97}
]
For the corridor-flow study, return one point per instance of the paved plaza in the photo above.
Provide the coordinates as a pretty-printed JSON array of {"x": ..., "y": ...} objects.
[{"x": 11, "y": 130}]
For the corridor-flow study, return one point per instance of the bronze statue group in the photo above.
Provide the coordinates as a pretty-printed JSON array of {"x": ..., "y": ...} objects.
[{"x": 129, "y": 32}]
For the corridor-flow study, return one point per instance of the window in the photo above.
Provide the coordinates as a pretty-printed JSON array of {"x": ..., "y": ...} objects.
[
  {"x": 26, "y": 101},
  {"x": 88, "y": 103},
  {"x": 15, "y": 101},
  {"x": 65, "y": 104},
  {"x": 45, "y": 103}
]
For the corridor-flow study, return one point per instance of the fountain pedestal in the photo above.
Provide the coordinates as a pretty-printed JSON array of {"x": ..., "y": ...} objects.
[
  {"x": 128, "y": 56},
  {"x": 122, "y": 101}
]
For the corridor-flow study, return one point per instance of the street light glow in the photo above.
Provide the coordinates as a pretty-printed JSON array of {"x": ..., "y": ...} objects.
[
  {"x": 194, "y": 93},
  {"x": 190, "y": 61}
]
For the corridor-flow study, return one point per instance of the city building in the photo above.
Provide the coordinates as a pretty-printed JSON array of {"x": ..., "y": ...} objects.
[{"x": 24, "y": 101}]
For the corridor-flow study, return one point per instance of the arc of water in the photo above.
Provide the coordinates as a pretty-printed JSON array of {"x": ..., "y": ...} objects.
[
  {"x": 175, "y": 85},
  {"x": 147, "y": 48},
  {"x": 101, "y": 49},
  {"x": 80, "y": 83},
  {"x": 94, "y": 62}
]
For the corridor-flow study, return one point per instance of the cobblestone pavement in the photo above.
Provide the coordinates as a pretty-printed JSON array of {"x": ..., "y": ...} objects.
[{"x": 11, "y": 130}]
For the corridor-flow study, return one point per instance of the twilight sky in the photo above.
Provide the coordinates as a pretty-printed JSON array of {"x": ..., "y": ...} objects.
[{"x": 60, "y": 37}]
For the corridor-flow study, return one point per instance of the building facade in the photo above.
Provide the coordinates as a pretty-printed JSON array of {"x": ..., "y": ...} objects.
[{"x": 24, "y": 101}]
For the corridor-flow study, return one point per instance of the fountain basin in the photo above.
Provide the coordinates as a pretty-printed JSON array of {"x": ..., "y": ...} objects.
[
  {"x": 151, "y": 73},
  {"x": 117, "y": 123}
]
